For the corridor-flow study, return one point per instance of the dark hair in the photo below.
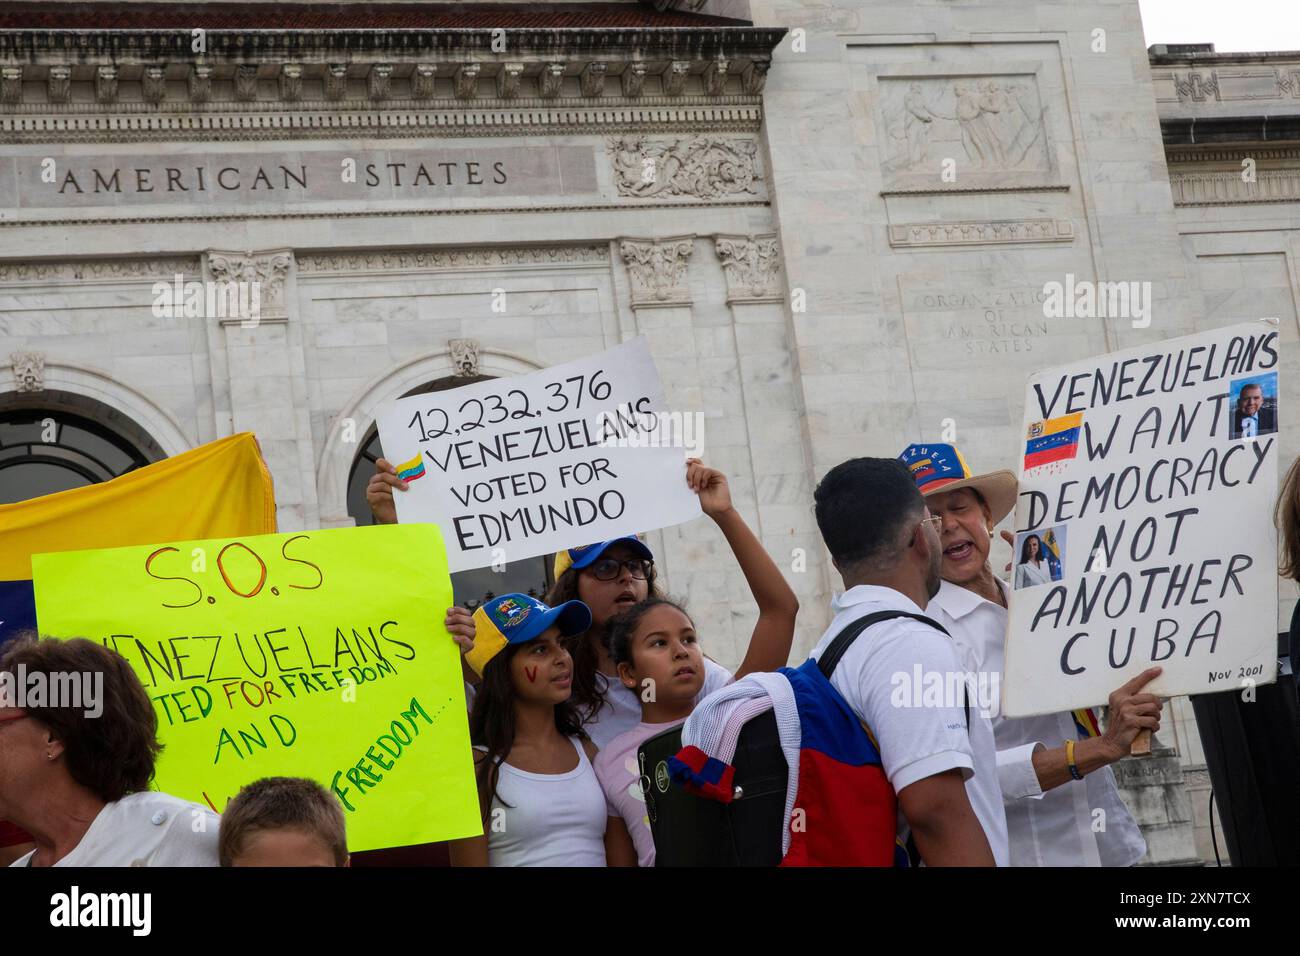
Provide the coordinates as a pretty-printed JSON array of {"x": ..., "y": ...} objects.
[
  {"x": 1286, "y": 515},
  {"x": 113, "y": 754},
  {"x": 863, "y": 506},
  {"x": 587, "y": 696},
  {"x": 1025, "y": 556},
  {"x": 274, "y": 803},
  {"x": 492, "y": 721},
  {"x": 624, "y": 625}
]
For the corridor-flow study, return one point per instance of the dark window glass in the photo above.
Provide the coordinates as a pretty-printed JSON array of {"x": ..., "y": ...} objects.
[{"x": 78, "y": 452}]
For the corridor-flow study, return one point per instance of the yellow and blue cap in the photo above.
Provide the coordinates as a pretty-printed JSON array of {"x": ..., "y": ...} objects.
[
  {"x": 517, "y": 618},
  {"x": 941, "y": 468},
  {"x": 581, "y": 557}
]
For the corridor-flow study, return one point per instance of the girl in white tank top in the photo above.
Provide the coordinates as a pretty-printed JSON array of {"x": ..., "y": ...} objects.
[{"x": 541, "y": 802}]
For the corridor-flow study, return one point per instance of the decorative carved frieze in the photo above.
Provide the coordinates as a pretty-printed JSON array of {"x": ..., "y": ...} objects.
[
  {"x": 153, "y": 84},
  {"x": 1197, "y": 86},
  {"x": 377, "y": 80},
  {"x": 675, "y": 77},
  {"x": 443, "y": 259},
  {"x": 422, "y": 81},
  {"x": 246, "y": 82},
  {"x": 752, "y": 265},
  {"x": 705, "y": 167},
  {"x": 465, "y": 81},
  {"x": 592, "y": 78},
  {"x": 29, "y": 371},
  {"x": 291, "y": 82},
  {"x": 58, "y": 85},
  {"x": 464, "y": 356},
  {"x": 200, "y": 83},
  {"x": 105, "y": 83},
  {"x": 985, "y": 232},
  {"x": 508, "y": 80},
  {"x": 633, "y": 79},
  {"x": 551, "y": 80},
  {"x": 657, "y": 269},
  {"x": 268, "y": 269},
  {"x": 1226, "y": 187},
  {"x": 98, "y": 269}
]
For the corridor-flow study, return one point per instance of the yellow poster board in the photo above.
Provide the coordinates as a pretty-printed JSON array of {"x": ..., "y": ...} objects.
[{"x": 319, "y": 654}]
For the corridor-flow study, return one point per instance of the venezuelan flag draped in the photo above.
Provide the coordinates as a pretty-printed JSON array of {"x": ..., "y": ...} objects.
[{"x": 218, "y": 490}]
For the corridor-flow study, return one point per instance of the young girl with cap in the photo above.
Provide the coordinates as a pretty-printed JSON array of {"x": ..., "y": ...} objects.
[
  {"x": 657, "y": 658},
  {"x": 539, "y": 797},
  {"x": 613, "y": 576}
]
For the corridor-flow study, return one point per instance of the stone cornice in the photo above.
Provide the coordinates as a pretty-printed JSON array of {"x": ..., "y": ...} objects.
[
  {"x": 399, "y": 120},
  {"x": 268, "y": 46}
]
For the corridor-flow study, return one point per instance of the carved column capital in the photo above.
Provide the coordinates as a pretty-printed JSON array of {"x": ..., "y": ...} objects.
[
  {"x": 752, "y": 265},
  {"x": 658, "y": 269},
  {"x": 422, "y": 80},
  {"x": 551, "y": 80},
  {"x": 290, "y": 82},
  {"x": 200, "y": 83},
  {"x": 153, "y": 84},
  {"x": 377, "y": 80},
  {"x": 260, "y": 278},
  {"x": 246, "y": 82},
  {"x": 466, "y": 81}
]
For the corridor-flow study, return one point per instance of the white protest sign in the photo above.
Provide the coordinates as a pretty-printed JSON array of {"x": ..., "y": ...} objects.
[
  {"x": 518, "y": 467},
  {"x": 1144, "y": 531}
]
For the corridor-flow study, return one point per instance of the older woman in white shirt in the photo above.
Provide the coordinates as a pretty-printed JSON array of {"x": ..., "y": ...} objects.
[
  {"x": 1051, "y": 800},
  {"x": 79, "y": 784}
]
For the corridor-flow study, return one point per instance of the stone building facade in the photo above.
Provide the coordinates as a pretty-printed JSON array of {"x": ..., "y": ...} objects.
[{"x": 834, "y": 222}]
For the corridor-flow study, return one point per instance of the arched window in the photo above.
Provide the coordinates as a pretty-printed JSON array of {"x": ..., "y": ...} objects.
[
  {"x": 55, "y": 441},
  {"x": 471, "y": 588}
]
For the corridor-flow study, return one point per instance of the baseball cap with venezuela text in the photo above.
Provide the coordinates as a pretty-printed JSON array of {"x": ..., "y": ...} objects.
[{"x": 517, "y": 618}]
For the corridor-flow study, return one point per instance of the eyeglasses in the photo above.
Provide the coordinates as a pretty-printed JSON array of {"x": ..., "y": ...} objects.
[
  {"x": 935, "y": 522},
  {"x": 607, "y": 569}
]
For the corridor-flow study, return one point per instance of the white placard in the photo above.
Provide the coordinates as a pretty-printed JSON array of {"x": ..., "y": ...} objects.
[
  {"x": 518, "y": 467},
  {"x": 1151, "y": 502}
]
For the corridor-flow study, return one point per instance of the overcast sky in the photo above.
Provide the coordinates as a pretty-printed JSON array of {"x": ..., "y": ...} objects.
[{"x": 1254, "y": 25}]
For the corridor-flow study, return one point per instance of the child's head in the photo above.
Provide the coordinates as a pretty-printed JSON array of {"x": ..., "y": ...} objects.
[
  {"x": 518, "y": 648},
  {"x": 283, "y": 821},
  {"x": 654, "y": 645}
]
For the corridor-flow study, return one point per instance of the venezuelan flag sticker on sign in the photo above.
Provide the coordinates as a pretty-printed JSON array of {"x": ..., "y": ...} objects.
[
  {"x": 1052, "y": 440},
  {"x": 410, "y": 470}
]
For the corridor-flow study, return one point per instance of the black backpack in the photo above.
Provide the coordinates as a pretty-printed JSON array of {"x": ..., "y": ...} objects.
[{"x": 689, "y": 830}]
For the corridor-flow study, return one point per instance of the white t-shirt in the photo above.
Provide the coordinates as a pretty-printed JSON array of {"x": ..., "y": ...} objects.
[
  {"x": 877, "y": 676},
  {"x": 146, "y": 829},
  {"x": 548, "y": 819},
  {"x": 621, "y": 711}
]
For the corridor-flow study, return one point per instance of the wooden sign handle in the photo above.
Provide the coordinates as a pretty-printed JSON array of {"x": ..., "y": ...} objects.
[{"x": 1141, "y": 746}]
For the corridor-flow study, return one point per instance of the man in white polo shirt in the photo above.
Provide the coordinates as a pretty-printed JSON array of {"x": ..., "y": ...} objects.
[
  {"x": 884, "y": 544},
  {"x": 1062, "y": 805}
]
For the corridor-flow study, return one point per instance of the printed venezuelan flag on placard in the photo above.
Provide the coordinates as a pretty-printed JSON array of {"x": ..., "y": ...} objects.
[
  {"x": 221, "y": 489},
  {"x": 1056, "y": 439}
]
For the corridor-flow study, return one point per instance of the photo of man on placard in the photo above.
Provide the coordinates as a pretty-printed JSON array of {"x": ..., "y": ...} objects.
[{"x": 1253, "y": 410}]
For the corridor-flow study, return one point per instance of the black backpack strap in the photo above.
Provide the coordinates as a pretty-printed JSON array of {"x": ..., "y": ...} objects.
[{"x": 827, "y": 662}]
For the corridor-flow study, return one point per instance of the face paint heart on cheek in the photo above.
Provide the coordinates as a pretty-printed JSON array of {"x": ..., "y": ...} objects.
[{"x": 532, "y": 674}]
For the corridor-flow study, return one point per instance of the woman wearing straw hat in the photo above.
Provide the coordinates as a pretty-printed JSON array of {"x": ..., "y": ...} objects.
[{"x": 1053, "y": 792}]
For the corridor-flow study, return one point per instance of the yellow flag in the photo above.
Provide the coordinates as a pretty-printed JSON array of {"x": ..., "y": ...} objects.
[
  {"x": 317, "y": 654},
  {"x": 220, "y": 489}
]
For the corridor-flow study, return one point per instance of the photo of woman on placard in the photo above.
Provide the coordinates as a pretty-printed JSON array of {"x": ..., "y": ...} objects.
[{"x": 1032, "y": 568}]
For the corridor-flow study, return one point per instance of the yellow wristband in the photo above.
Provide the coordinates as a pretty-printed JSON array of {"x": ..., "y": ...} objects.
[{"x": 1069, "y": 760}]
